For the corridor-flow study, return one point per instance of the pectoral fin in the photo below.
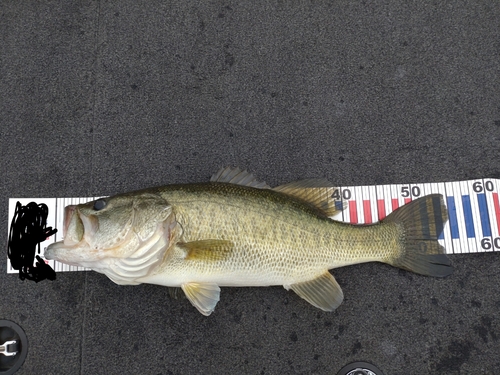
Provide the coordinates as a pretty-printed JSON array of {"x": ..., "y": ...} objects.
[
  {"x": 203, "y": 296},
  {"x": 323, "y": 292},
  {"x": 207, "y": 249}
]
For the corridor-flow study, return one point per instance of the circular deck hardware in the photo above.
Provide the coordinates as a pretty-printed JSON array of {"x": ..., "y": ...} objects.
[
  {"x": 360, "y": 368},
  {"x": 14, "y": 347}
]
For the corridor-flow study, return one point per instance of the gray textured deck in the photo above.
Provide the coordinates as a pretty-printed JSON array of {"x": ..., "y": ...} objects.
[{"x": 100, "y": 97}]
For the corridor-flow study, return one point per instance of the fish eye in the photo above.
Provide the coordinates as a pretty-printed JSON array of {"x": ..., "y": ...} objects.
[{"x": 99, "y": 204}]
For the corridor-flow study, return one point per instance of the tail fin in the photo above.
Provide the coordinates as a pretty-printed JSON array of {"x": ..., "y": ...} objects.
[{"x": 421, "y": 222}]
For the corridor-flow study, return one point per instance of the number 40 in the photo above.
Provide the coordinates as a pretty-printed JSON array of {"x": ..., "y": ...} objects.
[{"x": 346, "y": 194}]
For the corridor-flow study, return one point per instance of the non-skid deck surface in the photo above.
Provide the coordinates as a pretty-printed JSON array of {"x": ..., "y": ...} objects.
[{"x": 101, "y": 97}]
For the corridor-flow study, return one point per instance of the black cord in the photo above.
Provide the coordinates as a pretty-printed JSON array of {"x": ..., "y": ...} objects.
[{"x": 27, "y": 230}]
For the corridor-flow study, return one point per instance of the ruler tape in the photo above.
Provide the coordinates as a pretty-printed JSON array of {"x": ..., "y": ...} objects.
[{"x": 473, "y": 209}]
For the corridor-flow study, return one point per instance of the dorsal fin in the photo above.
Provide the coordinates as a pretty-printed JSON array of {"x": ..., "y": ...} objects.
[
  {"x": 234, "y": 175},
  {"x": 317, "y": 192}
]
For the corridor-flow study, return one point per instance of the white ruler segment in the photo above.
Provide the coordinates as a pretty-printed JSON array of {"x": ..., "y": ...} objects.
[{"x": 473, "y": 210}]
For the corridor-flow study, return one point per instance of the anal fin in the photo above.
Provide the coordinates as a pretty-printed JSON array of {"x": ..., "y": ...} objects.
[
  {"x": 323, "y": 292},
  {"x": 203, "y": 296}
]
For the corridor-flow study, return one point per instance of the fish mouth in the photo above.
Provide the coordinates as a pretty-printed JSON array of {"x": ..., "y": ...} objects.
[
  {"x": 78, "y": 226},
  {"x": 77, "y": 231},
  {"x": 73, "y": 226},
  {"x": 59, "y": 251},
  {"x": 69, "y": 211}
]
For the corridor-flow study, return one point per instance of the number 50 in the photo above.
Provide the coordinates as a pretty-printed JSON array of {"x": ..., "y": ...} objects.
[{"x": 405, "y": 191}]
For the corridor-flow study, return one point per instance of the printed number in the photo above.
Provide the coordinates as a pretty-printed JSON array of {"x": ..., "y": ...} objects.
[
  {"x": 486, "y": 243},
  {"x": 406, "y": 192},
  {"x": 346, "y": 194},
  {"x": 478, "y": 186}
]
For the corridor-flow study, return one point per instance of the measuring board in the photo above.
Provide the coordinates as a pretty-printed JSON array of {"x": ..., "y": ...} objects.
[{"x": 473, "y": 210}]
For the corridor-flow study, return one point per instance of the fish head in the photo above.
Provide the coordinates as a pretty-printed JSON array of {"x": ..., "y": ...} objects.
[{"x": 111, "y": 228}]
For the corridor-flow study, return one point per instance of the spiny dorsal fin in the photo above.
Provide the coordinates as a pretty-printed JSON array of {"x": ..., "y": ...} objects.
[
  {"x": 234, "y": 175},
  {"x": 317, "y": 192},
  {"x": 323, "y": 292},
  {"x": 207, "y": 249}
]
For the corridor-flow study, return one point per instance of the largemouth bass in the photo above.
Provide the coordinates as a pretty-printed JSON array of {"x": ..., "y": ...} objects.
[{"x": 237, "y": 231}]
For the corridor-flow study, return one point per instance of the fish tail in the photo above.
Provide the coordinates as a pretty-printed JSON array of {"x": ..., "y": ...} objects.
[{"x": 421, "y": 222}]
